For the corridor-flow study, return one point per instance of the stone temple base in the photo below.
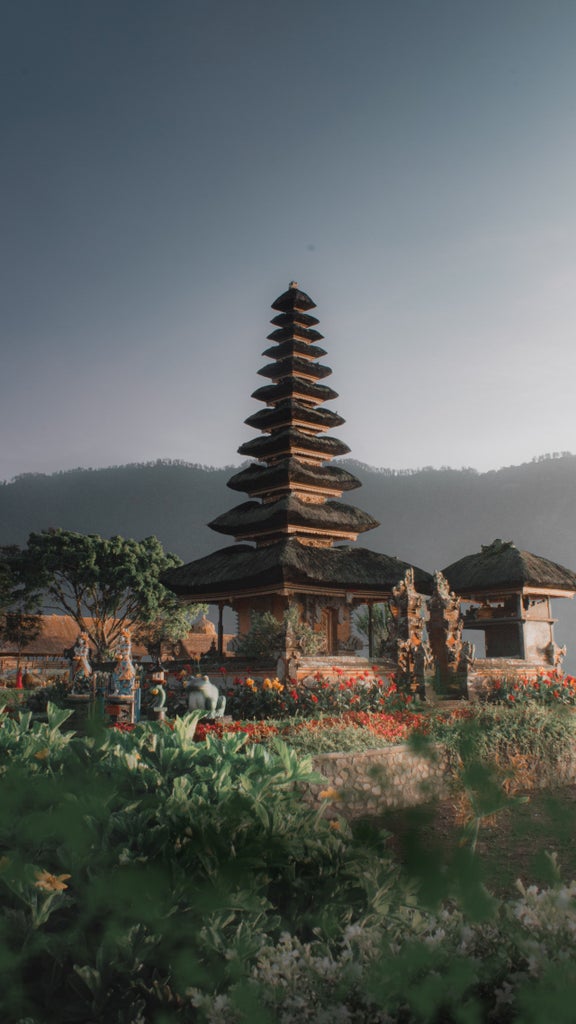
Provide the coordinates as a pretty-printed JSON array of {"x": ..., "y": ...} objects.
[
  {"x": 485, "y": 672},
  {"x": 333, "y": 666}
]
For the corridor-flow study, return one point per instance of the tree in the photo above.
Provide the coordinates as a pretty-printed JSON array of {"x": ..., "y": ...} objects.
[
  {"x": 19, "y": 619},
  {"x": 105, "y": 585},
  {"x": 172, "y": 625}
]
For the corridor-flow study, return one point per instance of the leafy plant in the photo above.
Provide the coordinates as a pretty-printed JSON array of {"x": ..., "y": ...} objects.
[
  {"x": 267, "y": 634},
  {"x": 546, "y": 688},
  {"x": 268, "y": 698}
]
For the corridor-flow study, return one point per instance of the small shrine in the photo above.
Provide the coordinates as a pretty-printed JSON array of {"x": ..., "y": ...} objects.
[
  {"x": 294, "y": 540},
  {"x": 508, "y": 594}
]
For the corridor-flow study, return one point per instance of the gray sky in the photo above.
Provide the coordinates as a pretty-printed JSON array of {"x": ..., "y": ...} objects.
[{"x": 168, "y": 166}]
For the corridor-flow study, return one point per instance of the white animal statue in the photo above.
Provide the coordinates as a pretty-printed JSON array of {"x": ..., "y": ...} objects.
[{"x": 205, "y": 696}]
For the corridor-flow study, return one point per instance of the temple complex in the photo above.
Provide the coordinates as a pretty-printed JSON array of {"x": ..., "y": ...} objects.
[{"x": 293, "y": 537}]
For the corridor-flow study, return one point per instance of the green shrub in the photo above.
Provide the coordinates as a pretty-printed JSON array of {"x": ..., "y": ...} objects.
[
  {"x": 269, "y": 636},
  {"x": 492, "y": 732},
  {"x": 268, "y": 698},
  {"x": 134, "y": 865},
  {"x": 149, "y": 879}
]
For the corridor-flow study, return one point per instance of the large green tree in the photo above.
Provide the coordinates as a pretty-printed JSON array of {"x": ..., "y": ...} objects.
[
  {"x": 19, "y": 619},
  {"x": 104, "y": 584}
]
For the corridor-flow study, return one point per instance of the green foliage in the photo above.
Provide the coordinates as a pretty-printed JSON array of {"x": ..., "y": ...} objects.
[
  {"x": 103, "y": 584},
  {"x": 267, "y": 635},
  {"x": 135, "y": 865},
  {"x": 149, "y": 878},
  {"x": 172, "y": 624},
  {"x": 549, "y": 689},
  {"x": 341, "y": 739},
  {"x": 19, "y": 622},
  {"x": 269, "y": 698},
  {"x": 485, "y": 732}
]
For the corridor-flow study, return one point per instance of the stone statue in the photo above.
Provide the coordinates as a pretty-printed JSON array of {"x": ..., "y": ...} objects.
[
  {"x": 159, "y": 706},
  {"x": 205, "y": 696},
  {"x": 124, "y": 674},
  {"x": 555, "y": 654},
  {"x": 81, "y": 670}
]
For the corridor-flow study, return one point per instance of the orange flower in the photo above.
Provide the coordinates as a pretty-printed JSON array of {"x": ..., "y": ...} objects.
[
  {"x": 50, "y": 883},
  {"x": 329, "y": 794}
]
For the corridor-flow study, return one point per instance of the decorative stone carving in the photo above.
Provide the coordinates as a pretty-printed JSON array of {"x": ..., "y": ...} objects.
[
  {"x": 405, "y": 644},
  {"x": 555, "y": 653},
  {"x": 451, "y": 654},
  {"x": 81, "y": 670},
  {"x": 124, "y": 674}
]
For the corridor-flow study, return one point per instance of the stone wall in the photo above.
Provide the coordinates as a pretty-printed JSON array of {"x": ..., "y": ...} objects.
[{"x": 372, "y": 781}]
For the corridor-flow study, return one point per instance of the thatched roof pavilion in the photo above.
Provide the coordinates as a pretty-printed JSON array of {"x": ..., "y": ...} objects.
[
  {"x": 294, "y": 518},
  {"x": 502, "y": 566},
  {"x": 510, "y": 591}
]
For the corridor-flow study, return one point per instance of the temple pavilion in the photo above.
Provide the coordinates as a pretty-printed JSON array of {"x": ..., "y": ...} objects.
[
  {"x": 509, "y": 593},
  {"x": 294, "y": 540}
]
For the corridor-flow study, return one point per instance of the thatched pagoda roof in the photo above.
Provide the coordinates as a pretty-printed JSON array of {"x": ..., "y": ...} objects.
[
  {"x": 294, "y": 316},
  {"x": 286, "y": 412},
  {"x": 293, "y": 366},
  {"x": 255, "y": 519},
  {"x": 241, "y": 569},
  {"x": 272, "y": 393},
  {"x": 256, "y": 478},
  {"x": 285, "y": 441},
  {"x": 287, "y": 333},
  {"x": 502, "y": 566},
  {"x": 293, "y": 299},
  {"x": 294, "y": 347}
]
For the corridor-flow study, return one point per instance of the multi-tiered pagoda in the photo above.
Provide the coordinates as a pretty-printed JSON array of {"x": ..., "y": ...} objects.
[{"x": 293, "y": 535}]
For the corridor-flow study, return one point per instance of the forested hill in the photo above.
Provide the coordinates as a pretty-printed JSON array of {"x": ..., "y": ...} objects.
[{"x": 429, "y": 517}]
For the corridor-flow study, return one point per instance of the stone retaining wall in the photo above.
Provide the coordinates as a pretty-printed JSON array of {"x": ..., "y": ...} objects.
[{"x": 372, "y": 781}]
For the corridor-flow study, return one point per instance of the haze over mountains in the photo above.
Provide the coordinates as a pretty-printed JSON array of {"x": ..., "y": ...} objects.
[{"x": 429, "y": 516}]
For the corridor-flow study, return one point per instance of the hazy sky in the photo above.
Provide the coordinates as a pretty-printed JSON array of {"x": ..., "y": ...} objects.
[{"x": 168, "y": 166}]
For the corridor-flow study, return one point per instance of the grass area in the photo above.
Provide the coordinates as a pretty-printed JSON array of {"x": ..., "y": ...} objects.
[{"x": 512, "y": 844}]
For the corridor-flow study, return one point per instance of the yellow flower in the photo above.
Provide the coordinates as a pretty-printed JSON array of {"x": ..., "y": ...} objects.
[
  {"x": 250, "y": 682},
  {"x": 329, "y": 794},
  {"x": 335, "y": 824},
  {"x": 41, "y": 755},
  {"x": 267, "y": 684},
  {"x": 50, "y": 883}
]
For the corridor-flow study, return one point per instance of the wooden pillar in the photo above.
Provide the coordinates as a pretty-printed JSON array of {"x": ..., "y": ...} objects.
[
  {"x": 220, "y": 630},
  {"x": 370, "y": 632}
]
